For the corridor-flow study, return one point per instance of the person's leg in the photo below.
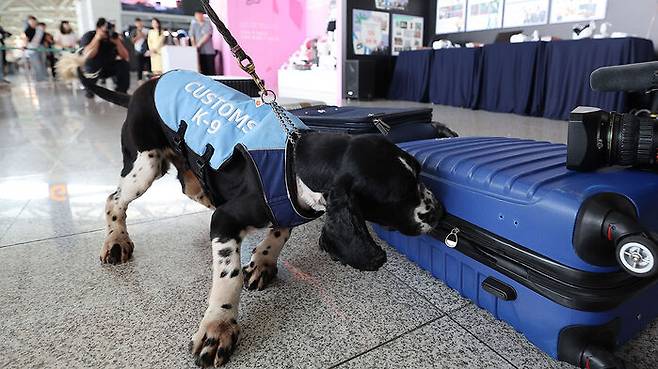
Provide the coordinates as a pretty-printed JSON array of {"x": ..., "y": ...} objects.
[
  {"x": 140, "y": 66},
  {"x": 2, "y": 68},
  {"x": 120, "y": 69},
  {"x": 208, "y": 65},
  {"x": 202, "y": 65},
  {"x": 211, "y": 64},
  {"x": 53, "y": 61},
  {"x": 43, "y": 70}
]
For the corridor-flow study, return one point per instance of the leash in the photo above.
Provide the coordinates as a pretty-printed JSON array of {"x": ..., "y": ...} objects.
[
  {"x": 247, "y": 64},
  {"x": 44, "y": 49}
]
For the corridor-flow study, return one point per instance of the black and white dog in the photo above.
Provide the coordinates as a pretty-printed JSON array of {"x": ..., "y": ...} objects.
[{"x": 353, "y": 179}]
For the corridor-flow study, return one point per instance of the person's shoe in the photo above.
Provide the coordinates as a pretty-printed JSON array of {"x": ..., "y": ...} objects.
[{"x": 89, "y": 94}]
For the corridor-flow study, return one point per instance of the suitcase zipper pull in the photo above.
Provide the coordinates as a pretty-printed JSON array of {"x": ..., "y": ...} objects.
[
  {"x": 452, "y": 239},
  {"x": 381, "y": 126}
]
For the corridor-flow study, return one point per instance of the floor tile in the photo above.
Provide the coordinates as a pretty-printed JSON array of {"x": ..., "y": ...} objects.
[
  {"x": 504, "y": 339},
  {"x": 68, "y": 203},
  {"x": 66, "y": 310},
  {"x": 642, "y": 351},
  {"x": 440, "y": 344},
  {"x": 433, "y": 290}
]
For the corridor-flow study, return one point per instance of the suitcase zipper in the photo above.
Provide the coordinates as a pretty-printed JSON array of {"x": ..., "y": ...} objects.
[{"x": 382, "y": 126}]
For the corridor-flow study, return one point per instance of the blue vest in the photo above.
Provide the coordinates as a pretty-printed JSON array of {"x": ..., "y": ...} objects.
[{"x": 224, "y": 118}]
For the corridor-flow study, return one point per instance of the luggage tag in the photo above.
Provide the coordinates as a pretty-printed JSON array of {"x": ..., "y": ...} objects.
[{"x": 452, "y": 239}]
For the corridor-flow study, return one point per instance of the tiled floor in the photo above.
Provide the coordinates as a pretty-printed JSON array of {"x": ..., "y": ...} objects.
[{"x": 59, "y": 308}]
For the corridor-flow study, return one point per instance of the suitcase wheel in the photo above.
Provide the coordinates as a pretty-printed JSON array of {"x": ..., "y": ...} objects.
[
  {"x": 637, "y": 255},
  {"x": 595, "y": 357}
]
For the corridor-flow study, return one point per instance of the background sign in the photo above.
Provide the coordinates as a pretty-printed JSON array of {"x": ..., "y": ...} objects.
[
  {"x": 519, "y": 13},
  {"x": 370, "y": 32},
  {"x": 484, "y": 14},
  {"x": 407, "y": 33},
  {"x": 450, "y": 16},
  {"x": 578, "y": 10}
]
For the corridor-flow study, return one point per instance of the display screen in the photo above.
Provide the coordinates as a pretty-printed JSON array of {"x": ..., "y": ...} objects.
[
  {"x": 520, "y": 13},
  {"x": 450, "y": 16},
  {"x": 577, "y": 10},
  {"x": 484, "y": 14},
  {"x": 370, "y": 32},
  {"x": 182, "y": 7},
  {"x": 407, "y": 33}
]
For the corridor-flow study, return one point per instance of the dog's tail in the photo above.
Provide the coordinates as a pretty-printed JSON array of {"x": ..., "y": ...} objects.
[{"x": 69, "y": 67}]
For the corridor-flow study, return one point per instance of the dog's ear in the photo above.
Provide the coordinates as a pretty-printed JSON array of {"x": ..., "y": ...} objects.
[{"x": 345, "y": 235}]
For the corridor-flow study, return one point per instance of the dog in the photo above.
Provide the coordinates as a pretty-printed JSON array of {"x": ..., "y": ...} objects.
[{"x": 349, "y": 179}]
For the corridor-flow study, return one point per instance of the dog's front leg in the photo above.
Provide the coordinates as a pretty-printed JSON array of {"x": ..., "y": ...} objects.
[
  {"x": 215, "y": 340},
  {"x": 261, "y": 270}
]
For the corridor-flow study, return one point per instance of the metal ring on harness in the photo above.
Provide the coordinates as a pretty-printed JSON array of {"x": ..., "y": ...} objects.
[{"x": 268, "y": 96}]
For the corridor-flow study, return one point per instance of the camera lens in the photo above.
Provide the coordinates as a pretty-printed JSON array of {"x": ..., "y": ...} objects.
[
  {"x": 634, "y": 142},
  {"x": 598, "y": 139},
  {"x": 624, "y": 149}
]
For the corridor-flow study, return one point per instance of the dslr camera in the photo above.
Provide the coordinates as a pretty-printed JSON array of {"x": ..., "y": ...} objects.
[
  {"x": 111, "y": 30},
  {"x": 599, "y": 139}
]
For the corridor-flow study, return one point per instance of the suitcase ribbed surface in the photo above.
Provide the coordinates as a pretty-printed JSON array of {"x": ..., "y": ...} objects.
[
  {"x": 522, "y": 190},
  {"x": 504, "y": 166}
]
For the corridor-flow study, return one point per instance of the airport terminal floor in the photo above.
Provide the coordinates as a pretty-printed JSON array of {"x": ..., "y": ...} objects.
[{"x": 60, "y": 158}]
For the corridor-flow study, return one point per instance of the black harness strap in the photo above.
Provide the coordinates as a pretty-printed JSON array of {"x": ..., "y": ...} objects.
[
  {"x": 201, "y": 170},
  {"x": 179, "y": 137}
]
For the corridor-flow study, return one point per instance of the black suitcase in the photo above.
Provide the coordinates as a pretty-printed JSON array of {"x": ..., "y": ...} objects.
[{"x": 397, "y": 124}]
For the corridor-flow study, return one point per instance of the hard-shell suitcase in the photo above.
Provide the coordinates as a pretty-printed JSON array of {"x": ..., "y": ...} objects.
[
  {"x": 567, "y": 258},
  {"x": 399, "y": 125}
]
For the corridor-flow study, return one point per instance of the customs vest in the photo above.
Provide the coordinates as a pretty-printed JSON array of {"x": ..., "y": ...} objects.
[{"x": 208, "y": 122}]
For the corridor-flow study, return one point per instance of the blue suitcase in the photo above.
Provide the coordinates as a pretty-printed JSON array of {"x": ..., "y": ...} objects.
[
  {"x": 397, "y": 124},
  {"x": 566, "y": 258}
]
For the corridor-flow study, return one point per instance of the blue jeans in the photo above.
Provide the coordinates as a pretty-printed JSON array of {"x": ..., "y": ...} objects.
[
  {"x": 2, "y": 67},
  {"x": 38, "y": 64}
]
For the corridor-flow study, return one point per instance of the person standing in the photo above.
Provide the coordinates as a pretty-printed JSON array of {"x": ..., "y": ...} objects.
[
  {"x": 48, "y": 41},
  {"x": 66, "y": 38},
  {"x": 3, "y": 35},
  {"x": 138, "y": 38},
  {"x": 155, "y": 42},
  {"x": 32, "y": 37},
  {"x": 201, "y": 37}
]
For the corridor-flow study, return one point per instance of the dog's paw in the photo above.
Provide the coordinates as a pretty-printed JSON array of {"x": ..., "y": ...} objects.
[
  {"x": 258, "y": 275},
  {"x": 214, "y": 342},
  {"x": 118, "y": 248}
]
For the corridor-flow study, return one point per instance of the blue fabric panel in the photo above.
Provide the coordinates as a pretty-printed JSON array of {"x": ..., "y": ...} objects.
[
  {"x": 512, "y": 78},
  {"x": 218, "y": 115},
  {"x": 570, "y": 63},
  {"x": 411, "y": 76},
  {"x": 271, "y": 165},
  {"x": 455, "y": 77}
]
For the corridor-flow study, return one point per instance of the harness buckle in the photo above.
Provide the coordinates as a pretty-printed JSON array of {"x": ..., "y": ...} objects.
[{"x": 205, "y": 158}]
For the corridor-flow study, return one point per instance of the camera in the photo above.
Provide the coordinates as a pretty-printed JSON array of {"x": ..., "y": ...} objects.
[
  {"x": 111, "y": 30},
  {"x": 599, "y": 139}
]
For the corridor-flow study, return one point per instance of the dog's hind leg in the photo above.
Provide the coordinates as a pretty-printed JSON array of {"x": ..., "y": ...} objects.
[
  {"x": 136, "y": 177},
  {"x": 262, "y": 269},
  {"x": 189, "y": 182}
]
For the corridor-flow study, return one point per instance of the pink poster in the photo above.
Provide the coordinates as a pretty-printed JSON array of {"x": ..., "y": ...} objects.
[{"x": 268, "y": 30}]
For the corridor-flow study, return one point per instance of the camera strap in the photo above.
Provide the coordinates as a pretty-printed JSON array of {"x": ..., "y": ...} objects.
[{"x": 247, "y": 64}]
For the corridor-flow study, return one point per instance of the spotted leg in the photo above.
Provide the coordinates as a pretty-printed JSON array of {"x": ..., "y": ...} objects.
[
  {"x": 261, "y": 270},
  {"x": 136, "y": 177},
  {"x": 214, "y": 341}
]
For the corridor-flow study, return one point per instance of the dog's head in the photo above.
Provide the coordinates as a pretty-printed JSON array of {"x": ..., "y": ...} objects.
[{"x": 378, "y": 182}]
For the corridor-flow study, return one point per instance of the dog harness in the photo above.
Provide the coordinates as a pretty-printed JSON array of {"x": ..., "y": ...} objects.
[{"x": 208, "y": 121}]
